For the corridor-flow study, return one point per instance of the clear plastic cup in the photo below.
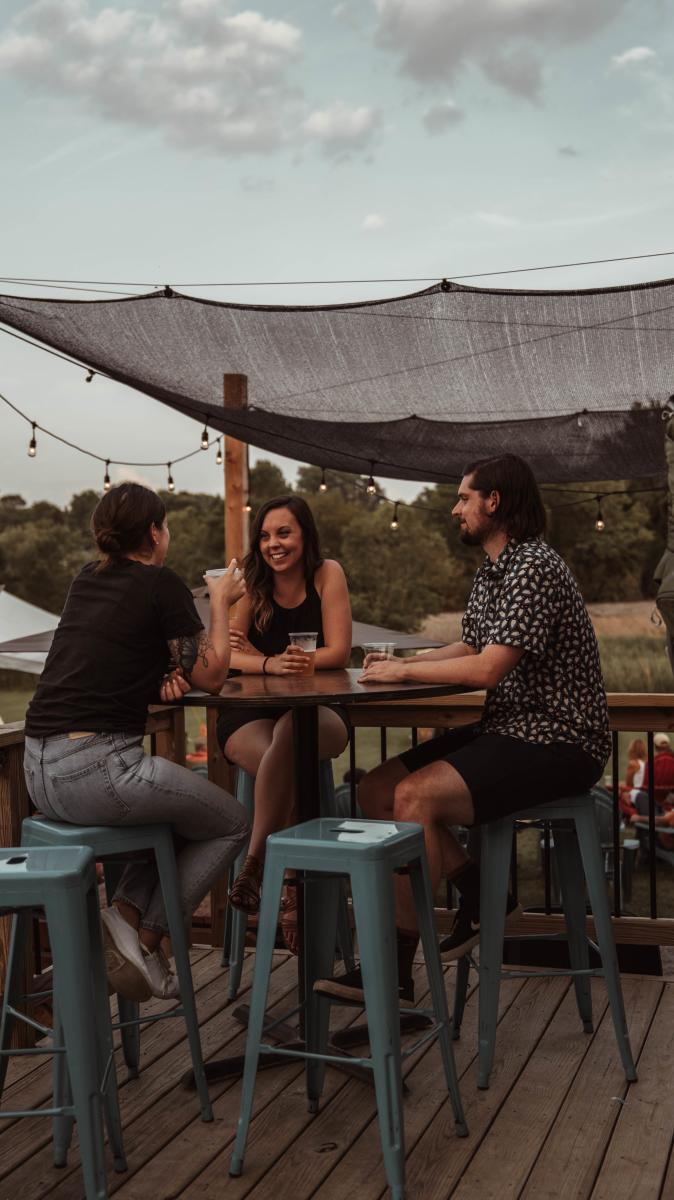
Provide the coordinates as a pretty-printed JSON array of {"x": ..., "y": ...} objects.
[
  {"x": 307, "y": 643},
  {"x": 378, "y": 650}
]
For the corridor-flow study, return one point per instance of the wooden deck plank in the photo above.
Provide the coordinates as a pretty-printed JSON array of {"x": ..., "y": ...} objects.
[
  {"x": 438, "y": 1161},
  {"x": 571, "y": 1155},
  {"x": 638, "y": 1154}
]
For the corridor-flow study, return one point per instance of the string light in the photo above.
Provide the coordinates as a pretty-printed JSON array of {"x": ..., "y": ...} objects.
[
  {"x": 394, "y": 519},
  {"x": 371, "y": 488},
  {"x": 204, "y": 438},
  {"x": 579, "y": 418},
  {"x": 106, "y": 477},
  {"x": 248, "y": 506},
  {"x": 32, "y": 445},
  {"x": 599, "y": 524},
  {"x": 90, "y": 376},
  {"x": 218, "y": 454},
  {"x": 170, "y": 484},
  {"x": 322, "y": 487}
]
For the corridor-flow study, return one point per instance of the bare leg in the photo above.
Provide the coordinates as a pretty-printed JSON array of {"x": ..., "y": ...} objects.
[{"x": 435, "y": 797}]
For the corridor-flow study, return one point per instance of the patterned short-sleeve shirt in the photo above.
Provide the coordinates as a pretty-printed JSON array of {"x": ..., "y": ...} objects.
[{"x": 529, "y": 598}]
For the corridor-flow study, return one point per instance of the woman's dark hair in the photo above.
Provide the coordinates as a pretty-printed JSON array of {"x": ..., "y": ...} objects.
[
  {"x": 258, "y": 575},
  {"x": 121, "y": 521},
  {"x": 520, "y": 512}
]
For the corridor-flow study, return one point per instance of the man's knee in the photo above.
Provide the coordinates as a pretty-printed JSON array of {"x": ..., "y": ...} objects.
[
  {"x": 407, "y": 801},
  {"x": 375, "y": 790}
]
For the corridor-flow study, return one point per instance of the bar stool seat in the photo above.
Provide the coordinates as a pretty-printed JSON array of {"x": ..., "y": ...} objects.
[
  {"x": 579, "y": 861},
  {"x": 105, "y": 841},
  {"x": 327, "y": 851},
  {"x": 236, "y": 921},
  {"x": 62, "y": 881}
]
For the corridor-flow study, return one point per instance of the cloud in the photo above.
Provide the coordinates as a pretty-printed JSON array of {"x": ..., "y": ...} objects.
[
  {"x": 202, "y": 76},
  {"x": 372, "y": 222},
  {"x": 568, "y": 152},
  {"x": 341, "y": 128},
  {"x": 441, "y": 117},
  {"x": 497, "y": 220},
  {"x": 637, "y": 54},
  {"x": 506, "y": 39},
  {"x": 258, "y": 183}
]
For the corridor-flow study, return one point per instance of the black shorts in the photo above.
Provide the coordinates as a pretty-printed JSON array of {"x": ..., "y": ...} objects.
[{"x": 505, "y": 774}]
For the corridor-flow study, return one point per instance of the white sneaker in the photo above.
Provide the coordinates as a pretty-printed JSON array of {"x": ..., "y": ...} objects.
[
  {"x": 163, "y": 981},
  {"x": 124, "y": 961}
]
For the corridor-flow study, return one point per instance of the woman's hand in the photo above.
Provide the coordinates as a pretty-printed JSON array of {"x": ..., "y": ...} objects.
[
  {"x": 384, "y": 670},
  {"x": 293, "y": 661},
  {"x": 239, "y": 642},
  {"x": 174, "y": 686},
  {"x": 228, "y": 588}
]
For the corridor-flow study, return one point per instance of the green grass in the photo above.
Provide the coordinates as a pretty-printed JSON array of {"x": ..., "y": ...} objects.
[{"x": 635, "y": 664}]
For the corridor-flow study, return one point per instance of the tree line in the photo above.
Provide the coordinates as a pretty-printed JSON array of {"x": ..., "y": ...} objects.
[{"x": 396, "y": 577}]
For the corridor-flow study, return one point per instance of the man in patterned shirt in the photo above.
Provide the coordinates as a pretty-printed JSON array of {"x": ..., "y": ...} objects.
[{"x": 544, "y": 731}]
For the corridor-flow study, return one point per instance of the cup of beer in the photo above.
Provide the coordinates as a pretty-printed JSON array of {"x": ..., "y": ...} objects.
[
  {"x": 307, "y": 644},
  {"x": 378, "y": 650}
]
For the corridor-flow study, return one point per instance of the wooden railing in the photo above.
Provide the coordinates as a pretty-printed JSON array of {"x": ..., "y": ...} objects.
[{"x": 166, "y": 727}]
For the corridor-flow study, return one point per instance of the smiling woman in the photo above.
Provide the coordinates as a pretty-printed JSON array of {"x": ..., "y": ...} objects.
[{"x": 290, "y": 589}]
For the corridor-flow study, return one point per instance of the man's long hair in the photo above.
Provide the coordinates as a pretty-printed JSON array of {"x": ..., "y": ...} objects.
[
  {"x": 258, "y": 575},
  {"x": 520, "y": 512}
]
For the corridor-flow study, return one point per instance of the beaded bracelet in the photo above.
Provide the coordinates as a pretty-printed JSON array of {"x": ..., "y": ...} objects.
[{"x": 264, "y": 664}]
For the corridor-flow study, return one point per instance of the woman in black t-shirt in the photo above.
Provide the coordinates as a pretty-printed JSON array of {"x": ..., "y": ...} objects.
[
  {"x": 130, "y": 636},
  {"x": 290, "y": 588}
]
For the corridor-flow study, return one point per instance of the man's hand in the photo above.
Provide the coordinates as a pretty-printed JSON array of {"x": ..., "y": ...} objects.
[
  {"x": 227, "y": 588},
  {"x": 173, "y": 687},
  {"x": 387, "y": 670}
]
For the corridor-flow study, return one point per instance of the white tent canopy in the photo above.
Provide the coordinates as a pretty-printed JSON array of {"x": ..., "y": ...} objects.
[{"x": 18, "y": 619}]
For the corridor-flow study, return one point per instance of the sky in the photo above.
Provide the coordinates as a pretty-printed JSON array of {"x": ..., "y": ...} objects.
[{"x": 201, "y": 142}]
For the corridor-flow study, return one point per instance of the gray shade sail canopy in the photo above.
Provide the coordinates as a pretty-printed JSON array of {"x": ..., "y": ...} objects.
[{"x": 410, "y": 388}]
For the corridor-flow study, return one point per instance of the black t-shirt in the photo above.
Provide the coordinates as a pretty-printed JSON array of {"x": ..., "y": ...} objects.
[{"x": 110, "y": 650}]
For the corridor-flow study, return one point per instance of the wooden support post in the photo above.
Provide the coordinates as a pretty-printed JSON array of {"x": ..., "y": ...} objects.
[
  {"x": 14, "y": 806},
  {"x": 236, "y": 474}
]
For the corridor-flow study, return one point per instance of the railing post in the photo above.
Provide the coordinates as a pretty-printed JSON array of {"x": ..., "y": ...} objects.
[{"x": 14, "y": 806}]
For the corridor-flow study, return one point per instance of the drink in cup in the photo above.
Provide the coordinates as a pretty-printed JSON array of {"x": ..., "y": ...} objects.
[
  {"x": 378, "y": 650},
  {"x": 306, "y": 643}
]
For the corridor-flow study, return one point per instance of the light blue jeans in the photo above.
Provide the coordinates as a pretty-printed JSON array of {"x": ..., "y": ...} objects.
[{"x": 107, "y": 779}]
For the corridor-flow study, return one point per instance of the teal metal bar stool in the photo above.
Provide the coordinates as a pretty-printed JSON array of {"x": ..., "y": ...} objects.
[
  {"x": 236, "y": 921},
  {"x": 579, "y": 861},
  {"x": 127, "y": 841},
  {"x": 324, "y": 850},
  {"x": 62, "y": 881}
]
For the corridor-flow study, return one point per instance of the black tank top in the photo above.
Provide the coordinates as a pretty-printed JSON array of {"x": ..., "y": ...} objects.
[{"x": 304, "y": 618}]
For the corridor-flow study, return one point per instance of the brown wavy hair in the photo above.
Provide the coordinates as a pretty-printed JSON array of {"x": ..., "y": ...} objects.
[
  {"x": 521, "y": 512},
  {"x": 122, "y": 519},
  {"x": 258, "y": 575}
]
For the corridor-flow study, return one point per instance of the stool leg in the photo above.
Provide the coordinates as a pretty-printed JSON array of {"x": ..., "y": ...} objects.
[
  {"x": 373, "y": 899},
  {"x": 106, "y": 1060},
  {"x": 344, "y": 938},
  {"x": 460, "y": 993},
  {"x": 572, "y": 886},
  {"x": 127, "y": 1009},
  {"x": 322, "y": 896},
  {"x": 423, "y": 899},
  {"x": 266, "y": 937},
  {"x": 495, "y": 864},
  {"x": 62, "y": 1125},
  {"x": 168, "y": 877},
  {"x": 596, "y": 886},
  {"x": 69, "y": 935},
  {"x": 12, "y": 992}
]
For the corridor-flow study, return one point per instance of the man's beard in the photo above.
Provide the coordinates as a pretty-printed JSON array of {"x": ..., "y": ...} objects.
[{"x": 470, "y": 539}]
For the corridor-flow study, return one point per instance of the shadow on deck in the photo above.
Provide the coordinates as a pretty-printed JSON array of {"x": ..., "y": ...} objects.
[{"x": 557, "y": 1122}]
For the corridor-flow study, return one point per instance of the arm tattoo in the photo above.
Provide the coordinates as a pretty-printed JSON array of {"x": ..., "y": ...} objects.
[{"x": 186, "y": 650}]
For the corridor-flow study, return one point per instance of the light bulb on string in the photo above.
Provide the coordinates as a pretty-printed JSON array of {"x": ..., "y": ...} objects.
[
  {"x": 169, "y": 483},
  {"x": 106, "y": 477},
  {"x": 247, "y": 506},
  {"x": 204, "y": 438},
  {"x": 32, "y": 445},
  {"x": 599, "y": 524},
  {"x": 371, "y": 488},
  {"x": 218, "y": 454},
  {"x": 394, "y": 519},
  {"x": 322, "y": 487},
  {"x": 90, "y": 376}
]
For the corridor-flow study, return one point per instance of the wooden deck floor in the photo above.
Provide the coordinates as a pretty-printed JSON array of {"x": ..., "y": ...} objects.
[{"x": 557, "y": 1122}]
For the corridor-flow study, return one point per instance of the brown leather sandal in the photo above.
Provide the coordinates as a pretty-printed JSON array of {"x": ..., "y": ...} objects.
[
  {"x": 288, "y": 921},
  {"x": 244, "y": 893}
]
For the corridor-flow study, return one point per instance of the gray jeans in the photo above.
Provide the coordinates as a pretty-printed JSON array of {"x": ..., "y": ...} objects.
[{"x": 107, "y": 779}]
